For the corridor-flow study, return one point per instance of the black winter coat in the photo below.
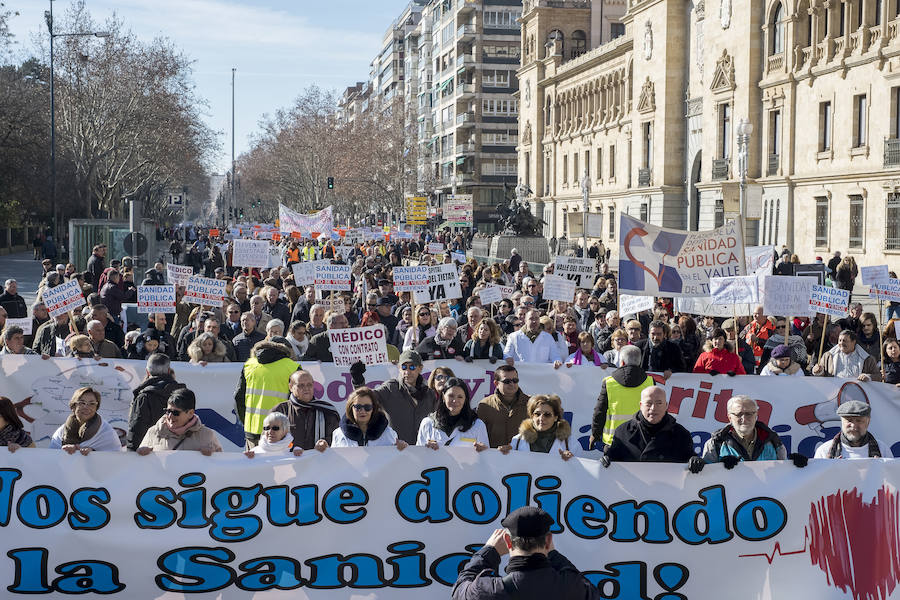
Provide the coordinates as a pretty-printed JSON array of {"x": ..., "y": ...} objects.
[
  {"x": 638, "y": 441},
  {"x": 150, "y": 400},
  {"x": 429, "y": 349},
  {"x": 664, "y": 357}
]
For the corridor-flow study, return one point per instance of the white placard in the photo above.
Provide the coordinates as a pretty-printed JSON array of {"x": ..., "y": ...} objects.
[
  {"x": 886, "y": 292},
  {"x": 435, "y": 248},
  {"x": 787, "y": 296},
  {"x": 179, "y": 274},
  {"x": 204, "y": 291},
  {"x": 490, "y": 294},
  {"x": 632, "y": 305},
  {"x": 353, "y": 236},
  {"x": 25, "y": 323},
  {"x": 443, "y": 284},
  {"x": 364, "y": 344},
  {"x": 874, "y": 275},
  {"x": 63, "y": 298},
  {"x": 558, "y": 288},
  {"x": 458, "y": 256},
  {"x": 734, "y": 290},
  {"x": 305, "y": 272},
  {"x": 829, "y": 301},
  {"x": 333, "y": 303},
  {"x": 759, "y": 259},
  {"x": 580, "y": 270},
  {"x": 332, "y": 277},
  {"x": 345, "y": 251},
  {"x": 156, "y": 298},
  {"x": 410, "y": 278},
  {"x": 251, "y": 253}
]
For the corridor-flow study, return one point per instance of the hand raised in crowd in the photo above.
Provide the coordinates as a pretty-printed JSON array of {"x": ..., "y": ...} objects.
[{"x": 498, "y": 541}]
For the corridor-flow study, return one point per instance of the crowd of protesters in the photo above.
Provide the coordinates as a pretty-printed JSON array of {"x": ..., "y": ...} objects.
[{"x": 270, "y": 325}]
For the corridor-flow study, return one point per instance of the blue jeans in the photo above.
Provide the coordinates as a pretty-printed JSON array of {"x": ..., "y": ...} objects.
[{"x": 891, "y": 310}]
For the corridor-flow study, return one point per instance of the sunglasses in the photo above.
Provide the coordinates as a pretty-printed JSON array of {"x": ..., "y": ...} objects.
[
  {"x": 528, "y": 303},
  {"x": 508, "y": 381},
  {"x": 371, "y": 305},
  {"x": 173, "y": 411},
  {"x": 424, "y": 314},
  {"x": 363, "y": 407},
  {"x": 441, "y": 377},
  {"x": 409, "y": 367},
  {"x": 272, "y": 428}
]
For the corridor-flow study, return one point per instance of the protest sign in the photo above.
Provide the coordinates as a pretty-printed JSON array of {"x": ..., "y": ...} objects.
[
  {"x": 443, "y": 284},
  {"x": 654, "y": 261},
  {"x": 410, "y": 278},
  {"x": 435, "y": 248},
  {"x": 251, "y": 253},
  {"x": 332, "y": 277},
  {"x": 734, "y": 290},
  {"x": 788, "y": 296},
  {"x": 632, "y": 305},
  {"x": 760, "y": 259},
  {"x": 359, "y": 344},
  {"x": 558, "y": 288},
  {"x": 886, "y": 292},
  {"x": 305, "y": 272},
  {"x": 204, "y": 291},
  {"x": 580, "y": 270},
  {"x": 829, "y": 301},
  {"x": 353, "y": 236},
  {"x": 156, "y": 298},
  {"x": 344, "y": 252},
  {"x": 63, "y": 298},
  {"x": 291, "y": 221},
  {"x": 875, "y": 275},
  {"x": 458, "y": 256},
  {"x": 179, "y": 274},
  {"x": 490, "y": 294},
  {"x": 25, "y": 323},
  {"x": 332, "y": 303}
]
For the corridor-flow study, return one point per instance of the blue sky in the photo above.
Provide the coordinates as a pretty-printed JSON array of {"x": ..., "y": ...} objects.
[{"x": 278, "y": 47}]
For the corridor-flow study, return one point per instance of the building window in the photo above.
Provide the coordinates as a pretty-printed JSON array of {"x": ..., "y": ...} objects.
[
  {"x": 547, "y": 178},
  {"x": 579, "y": 43},
  {"x": 616, "y": 30},
  {"x": 860, "y": 120},
  {"x": 599, "y": 164},
  {"x": 553, "y": 37},
  {"x": 892, "y": 223},
  {"x": 877, "y": 19},
  {"x": 528, "y": 169},
  {"x": 856, "y": 221},
  {"x": 824, "y": 126},
  {"x": 587, "y": 163},
  {"x": 612, "y": 222},
  {"x": 774, "y": 140},
  {"x": 719, "y": 214},
  {"x": 647, "y": 157},
  {"x": 821, "y": 222},
  {"x": 777, "y": 45},
  {"x": 565, "y": 177},
  {"x": 575, "y": 170},
  {"x": 644, "y": 215},
  {"x": 724, "y": 131},
  {"x": 895, "y": 110},
  {"x": 565, "y": 222},
  {"x": 612, "y": 162}
]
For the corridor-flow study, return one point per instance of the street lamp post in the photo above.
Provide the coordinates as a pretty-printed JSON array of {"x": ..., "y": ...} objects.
[
  {"x": 744, "y": 131},
  {"x": 48, "y": 17},
  {"x": 585, "y": 199}
]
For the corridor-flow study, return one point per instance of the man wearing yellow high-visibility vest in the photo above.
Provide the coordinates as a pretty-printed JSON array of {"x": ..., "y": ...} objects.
[
  {"x": 265, "y": 382},
  {"x": 620, "y": 396}
]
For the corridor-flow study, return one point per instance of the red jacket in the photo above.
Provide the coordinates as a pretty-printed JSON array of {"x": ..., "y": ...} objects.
[{"x": 721, "y": 361}]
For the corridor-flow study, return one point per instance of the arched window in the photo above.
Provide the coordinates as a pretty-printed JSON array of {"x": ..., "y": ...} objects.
[
  {"x": 777, "y": 31},
  {"x": 552, "y": 38},
  {"x": 579, "y": 43}
]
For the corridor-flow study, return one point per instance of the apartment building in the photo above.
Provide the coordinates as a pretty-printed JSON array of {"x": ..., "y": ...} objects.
[{"x": 653, "y": 110}]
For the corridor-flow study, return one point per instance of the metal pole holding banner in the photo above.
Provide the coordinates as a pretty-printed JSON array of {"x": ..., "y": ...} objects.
[
  {"x": 585, "y": 199},
  {"x": 822, "y": 341}
]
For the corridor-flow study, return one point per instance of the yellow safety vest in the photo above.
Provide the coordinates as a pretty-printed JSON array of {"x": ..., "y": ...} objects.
[
  {"x": 267, "y": 386},
  {"x": 622, "y": 403},
  {"x": 309, "y": 253}
]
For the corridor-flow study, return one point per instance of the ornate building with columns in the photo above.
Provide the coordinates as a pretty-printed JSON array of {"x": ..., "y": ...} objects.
[{"x": 645, "y": 97}]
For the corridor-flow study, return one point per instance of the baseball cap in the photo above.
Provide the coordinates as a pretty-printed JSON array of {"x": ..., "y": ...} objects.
[{"x": 410, "y": 356}]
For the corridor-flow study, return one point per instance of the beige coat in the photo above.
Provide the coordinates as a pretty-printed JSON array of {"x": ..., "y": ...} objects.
[{"x": 160, "y": 437}]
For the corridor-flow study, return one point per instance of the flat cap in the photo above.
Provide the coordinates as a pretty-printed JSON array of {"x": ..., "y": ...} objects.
[{"x": 854, "y": 408}]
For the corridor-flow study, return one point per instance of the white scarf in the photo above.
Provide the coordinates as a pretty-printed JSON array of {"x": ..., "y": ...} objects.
[{"x": 281, "y": 447}]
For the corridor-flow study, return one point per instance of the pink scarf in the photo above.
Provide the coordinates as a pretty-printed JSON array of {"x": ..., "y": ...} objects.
[
  {"x": 180, "y": 431},
  {"x": 598, "y": 360}
]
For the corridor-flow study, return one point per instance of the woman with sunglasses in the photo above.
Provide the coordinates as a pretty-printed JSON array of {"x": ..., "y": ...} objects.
[
  {"x": 422, "y": 327},
  {"x": 437, "y": 381},
  {"x": 84, "y": 430},
  {"x": 180, "y": 428},
  {"x": 545, "y": 430},
  {"x": 453, "y": 422},
  {"x": 365, "y": 423},
  {"x": 276, "y": 437}
]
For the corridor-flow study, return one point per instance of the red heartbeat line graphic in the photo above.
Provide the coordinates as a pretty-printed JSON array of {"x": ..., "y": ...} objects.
[{"x": 855, "y": 543}]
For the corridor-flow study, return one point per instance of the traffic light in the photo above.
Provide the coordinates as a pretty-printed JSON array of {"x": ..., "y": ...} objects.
[
  {"x": 331, "y": 183},
  {"x": 242, "y": 212}
]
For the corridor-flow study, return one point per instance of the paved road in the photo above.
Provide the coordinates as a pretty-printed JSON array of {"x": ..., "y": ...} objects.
[{"x": 25, "y": 270}]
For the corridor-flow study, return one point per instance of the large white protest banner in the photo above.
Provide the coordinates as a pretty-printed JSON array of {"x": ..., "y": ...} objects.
[
  {"x": 788, "y": 296},
  {"x": 800, "y": 409},
  {"x": 413, "y": 278},
  {"x": 734, "y": 290},
  {"x": 359, "y": 344},
  {"x": 558, "y": 288},
  {"x": 204, "y": 291},
  {"x": 156, "y": 298},
  {"x": 251, "y": 253},
  {"x": 874, "y": 275},
  {"x": 886, "y": 292},
  {"x": 655, "y": 261},
  {"x": 443, "y": 284},
  {"x": 631, "y": 305},
  {"x": 25, "y": 323},
  {"x": 179, "y": 274},
  {"x": 175, "y": 525},
  {"x": 829, "y": 301},
  {"x": 291, "y": 221},
  {"x": 580, "y": 270},
  {"x": 63, "y": 298},
  {"x": 332, "y": 277}
]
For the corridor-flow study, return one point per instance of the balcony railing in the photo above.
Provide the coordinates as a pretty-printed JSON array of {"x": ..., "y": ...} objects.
[
  {"x": 465, "y": 89},
  {"x": 465, "y": 148},
  {"x": 465, "y": 30},
  {"x": 892, "y": 152},
  {"x": 720, "y": 168},
  {"x": 644, "y": 177},
  {"x": 774, "y": 163},
  {"x": 465, "y": 118},
  {"x": 775, "y": 62}
]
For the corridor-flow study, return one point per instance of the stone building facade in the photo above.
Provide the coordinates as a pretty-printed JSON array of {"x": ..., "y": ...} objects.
[{"x": 651, "y": 116}]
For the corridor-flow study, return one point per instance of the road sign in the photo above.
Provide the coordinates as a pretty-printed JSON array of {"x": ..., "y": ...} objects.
[
  {"x": 176, "y": 199},
  {"x": 135, "y": 243}
]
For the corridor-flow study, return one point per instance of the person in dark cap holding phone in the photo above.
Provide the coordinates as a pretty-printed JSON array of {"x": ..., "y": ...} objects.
[{"x": 536, "y": 569}]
